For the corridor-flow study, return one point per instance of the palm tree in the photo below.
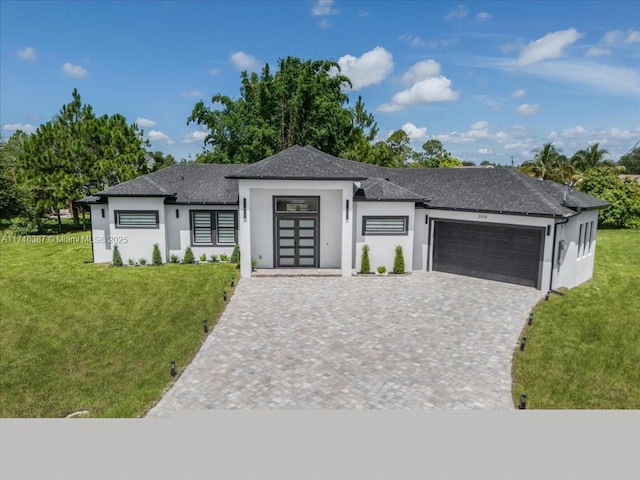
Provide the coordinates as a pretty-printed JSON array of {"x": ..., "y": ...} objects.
[
  {"x": 589, "y": 158},
  {"x": 544, "y": 164}
]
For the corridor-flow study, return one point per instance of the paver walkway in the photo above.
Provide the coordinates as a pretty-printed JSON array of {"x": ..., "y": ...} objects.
[{"x": 425, "y": 340}]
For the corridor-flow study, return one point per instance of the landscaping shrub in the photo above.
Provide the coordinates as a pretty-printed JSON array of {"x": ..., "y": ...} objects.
[
  {"x": 365, "y": 264},
  {"x": 235, "y": 255},
  {"x": 117, "y": 259},
  {"x": 143, "y": 261},
  {"x": 174, "y": 258},
  {"x": 382, "y": 269},
  {"x": 224, "y": 257},
  {"x": 32, "y": 223},
  {"x": 188, "y": 256},
  {"x": 214, "y": 258},
  {"x": 203, "y": 257},
  {"x": 131, "y": 262},
  {"x": 156, "y": 259},
  {"x": 398, "y": 261}
]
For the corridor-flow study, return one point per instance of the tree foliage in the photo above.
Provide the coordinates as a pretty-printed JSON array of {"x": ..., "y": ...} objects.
[
  {"x": 13, "y": 199},
  {"x": 302, "y": 103},
  {"x": 631, "y": 161},
  {"x": 78, "y": 153},
  {"x": 623, "y": 196}
]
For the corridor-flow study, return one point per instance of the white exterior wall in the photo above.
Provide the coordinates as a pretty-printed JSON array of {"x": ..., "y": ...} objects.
[
  {"x": 574, "y": 262},
  {"x": 137, "y": 243},
  {"x": 256, "y": 230},
  {"x": 496, "y": 218},
  {"x": 382, "y": 248},
  {"x": 179, "y": 231},
  {"x": 101, "y": 233}
]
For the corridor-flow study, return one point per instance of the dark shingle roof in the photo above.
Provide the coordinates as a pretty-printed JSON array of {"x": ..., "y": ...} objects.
[
  {"x": 492, "y": 189},
  {"x": 381, "y": 189},
  {"x": 475, "y": 189},
  {"x": 194, "y": 183},
  {"x": 298, "y": 163}
]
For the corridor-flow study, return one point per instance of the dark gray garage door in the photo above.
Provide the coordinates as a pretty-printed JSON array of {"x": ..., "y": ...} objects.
[{"x": 503, "y": 253}]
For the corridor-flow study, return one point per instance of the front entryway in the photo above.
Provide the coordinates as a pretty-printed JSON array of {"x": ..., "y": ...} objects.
[
  {"x": 296, "y": 244},
  {"x": 296, "y": 232}
]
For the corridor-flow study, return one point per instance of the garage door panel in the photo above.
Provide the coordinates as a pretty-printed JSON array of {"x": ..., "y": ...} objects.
[{"x": 503, "y": 253}]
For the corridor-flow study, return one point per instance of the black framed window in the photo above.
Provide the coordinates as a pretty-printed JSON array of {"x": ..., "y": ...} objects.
[
  {"x": 213, "y": 227},
  {"x": 137, "y": 219},
  {"x": 388, "y": 225},
  {"x": 297, "y": 204}
]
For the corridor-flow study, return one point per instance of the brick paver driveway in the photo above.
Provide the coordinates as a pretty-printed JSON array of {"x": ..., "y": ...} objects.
[{"x": 425, "y": 340}]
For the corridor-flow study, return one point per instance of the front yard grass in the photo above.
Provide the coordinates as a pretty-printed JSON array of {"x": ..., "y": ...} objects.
[
  {"x": 79, "y": 336},
  {"x": 583, "y": 349}
]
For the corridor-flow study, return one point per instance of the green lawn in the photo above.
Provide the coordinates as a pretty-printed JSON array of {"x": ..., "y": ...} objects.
[
  {"x": 583, "y": 349},
  {"x": 79, "y": 336}
]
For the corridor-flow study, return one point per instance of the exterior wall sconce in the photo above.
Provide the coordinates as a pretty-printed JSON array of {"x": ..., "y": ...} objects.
[
  {"x": 103, "y": 213},
  {"x": 173, "y": 368},
  {"x": 244, "y": 208},
  {"x": 177, "y": 213},
  {"x": 347, "y": 209}
]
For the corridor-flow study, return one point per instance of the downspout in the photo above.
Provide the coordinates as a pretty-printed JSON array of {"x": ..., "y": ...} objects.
[{"x": 553, "y": 257}]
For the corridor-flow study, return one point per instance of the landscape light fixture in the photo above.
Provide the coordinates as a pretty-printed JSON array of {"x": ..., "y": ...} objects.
[
  {"x": 523, "y": 401},
  {"x": 173, "y": 368},
  {"x": 205, "y": 325},
  {"x": 224, "y": 295},
  {"x": 233, "y": 280},
  {"x": 523, "y": 342},
  {"x": 530, "y": 318}
]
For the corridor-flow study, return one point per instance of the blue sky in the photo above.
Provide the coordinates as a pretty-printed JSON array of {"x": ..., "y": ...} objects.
[{"x": 490, "y": 80}]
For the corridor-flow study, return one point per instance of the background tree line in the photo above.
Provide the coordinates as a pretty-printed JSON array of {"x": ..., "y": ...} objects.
[
  {"x": 589, "y": 171},
  {"x": 78, "y": 153}
]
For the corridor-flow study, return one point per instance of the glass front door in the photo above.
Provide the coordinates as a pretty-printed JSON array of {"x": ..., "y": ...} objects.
[{"x": 296, "y": 241}]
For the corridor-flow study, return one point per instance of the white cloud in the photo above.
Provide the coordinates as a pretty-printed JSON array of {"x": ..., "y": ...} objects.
[
  {"x": 25, "y": 127},
  {"x": 552, "y": 45},
  {"x": 616, "y": 80},
  {"x": 27, "y": 53},
  {"x": 519, "y": 93},
  {"x": 324, "y": 7},
  {"x": 73, "y": 70},
  {"x": 414, "y": 40},
  {"x": 598, "y": 52},
  {"x": 324, "y": 23},
  {"x": 633, "y": 36},
  {"x": 481, "y": 125},
  {"x": 613, "y": 37},
  {"x": 485, "y": 151},
  {"x": 214, "y": 71},
  {"x": 145, "y": 122},
  {"x": 421, "y": 70},
  {"x": 159, "y": 137},
  {"x": 457, "y": 13},
  {"x": 369, "y": 69},
  {"x": 527, "y": 109},
  {"x": 428, "y": 87},
  {"x": 483, "y": 16},
  {"x": 194, "y": 92},
  {"x": 244, "y": 61},
  {"x": 194, "y": 137},
  {"x": 415, "y": 133}
]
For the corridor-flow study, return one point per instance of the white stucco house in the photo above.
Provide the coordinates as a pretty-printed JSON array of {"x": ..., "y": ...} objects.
[{"x": 302, "y": 208}]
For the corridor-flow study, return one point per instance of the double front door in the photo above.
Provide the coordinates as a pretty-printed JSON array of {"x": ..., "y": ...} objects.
[{"x": 296, "y": 241}]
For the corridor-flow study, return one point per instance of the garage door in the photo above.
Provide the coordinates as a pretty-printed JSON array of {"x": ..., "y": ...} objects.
[{"x": 495, "y": 252}]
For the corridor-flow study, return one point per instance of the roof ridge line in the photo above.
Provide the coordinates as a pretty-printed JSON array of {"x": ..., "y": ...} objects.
[
  {"x": 156, "y": 184},
  {"x": 536, "y": 192}
]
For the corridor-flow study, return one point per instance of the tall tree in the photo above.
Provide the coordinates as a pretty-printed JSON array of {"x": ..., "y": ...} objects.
[
  {"x": 77, "y": 153},
  {"x": 589, "y": 158},
  {"x": 302, "y": 103},
  {"x": 631, "y": 161},
  {"x": 549, "y": 164}
]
